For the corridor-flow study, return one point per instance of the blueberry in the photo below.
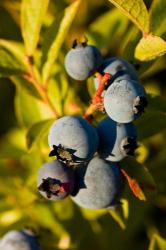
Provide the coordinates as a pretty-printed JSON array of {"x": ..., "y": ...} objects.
[
  {"x": 55, "y": 181},
  {"x": 98, "y": 185},
  {"x": 82, "y": 61},
  {"x": 116, "y": 140},
  {"x": 19, "y": 240},
  {"x": 75, "y": 135},
  {"x": 125, "y": 100},
  {"x": 119, "y": 68}
]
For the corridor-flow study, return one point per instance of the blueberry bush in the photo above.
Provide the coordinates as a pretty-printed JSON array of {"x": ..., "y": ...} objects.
[{"x": 83, "y": 126}]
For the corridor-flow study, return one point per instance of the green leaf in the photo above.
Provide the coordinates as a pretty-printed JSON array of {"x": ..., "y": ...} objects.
[
  {"x": 30, "y": 110},
  {"x": 60, "y": 209},
  {"x": 11, "y": 58},
  {"x": 157, "y": 243},
  {"x": 58, "y": 90},
  {"x": 13, "y": 144},
  {"x": 115, "y": 28},
  {"x": 90, "y": 86},
  {"x": 129, "y": 43},
  {"x": 157, "y": 118},
  {"x": 10, "y": 217},
  {"x": 15, "y": 65},
  {"x": 158, "y": 17},
  {"x": 56, "y": 43},
  {"x": 48, "y": 38},
  {"x": 120, "y": 213},
  {"x": 37, "y": 132},
  {"x": 25, "y": 85},
  {"x": 93, "y": 214},
  {"x": 15, "y": 48},
  {"x": 157, "y": 103},
  {"x": 136, "y": 11},
  {"x": 149, "y": 48},
  {"x": 32, "y": 15},
  {"x": 150, "y": 68},
  {"x": 8, "y": 64},
  {"x": 39, "y": 211}
]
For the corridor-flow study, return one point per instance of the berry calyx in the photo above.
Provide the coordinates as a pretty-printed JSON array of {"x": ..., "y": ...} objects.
[
  {"x": 64, "y": 155},
  {"x": 140, "y": 103},
  {"x": 129, "y": 145},
  {"x": 55, "y": 180},
  {"x": 52, "y": 186}
]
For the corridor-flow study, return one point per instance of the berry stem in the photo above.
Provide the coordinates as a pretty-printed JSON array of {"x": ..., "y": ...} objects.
[
  {"x": 42, "y": 90},
  {"x": 89, "y": 112},
  {"x": 97, "y": 99}
]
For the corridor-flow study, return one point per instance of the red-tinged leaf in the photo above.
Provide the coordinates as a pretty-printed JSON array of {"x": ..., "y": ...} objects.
[{"x": 134, "y": 186}]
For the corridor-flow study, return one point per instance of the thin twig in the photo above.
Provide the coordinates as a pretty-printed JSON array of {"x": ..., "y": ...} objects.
[
  {"x": 97, "y": 99},
  {"x": 30, "y": 76}
]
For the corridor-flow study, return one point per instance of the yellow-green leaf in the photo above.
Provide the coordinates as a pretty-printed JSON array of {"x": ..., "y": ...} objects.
[
  {"x": 157, "y": 243},
  {"x": 136, "y": 11},
  {"x": 130, "y": 41},
  {"x": 117, "y": 25},
  {"x": 39, "y": 211},
  {"x": 149, "y": 48},
  {"x": 32, "y": 15},
  {"x": 10, "y": 217},
  {"x": 11, "y": 58},
  {"x": 15, "y": 48},
  {"x": 30, "y": 110},
  {"x": 154, "y": 116},
  {"x": 93, "y": 214},
  {"x": 120, "y": 213},
  {"x": 24, "y": 84},
  {"x": 37, "y": 132},
  {"x": 157, "y": 17},
  {"x": 59, "y": 38}
]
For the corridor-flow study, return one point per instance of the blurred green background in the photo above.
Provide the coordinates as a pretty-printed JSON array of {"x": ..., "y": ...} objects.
[{"x": 26, "y": 115}]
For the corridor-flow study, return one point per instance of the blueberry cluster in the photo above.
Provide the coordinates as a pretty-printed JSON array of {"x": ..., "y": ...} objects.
[{"x": 86, "y": 165}]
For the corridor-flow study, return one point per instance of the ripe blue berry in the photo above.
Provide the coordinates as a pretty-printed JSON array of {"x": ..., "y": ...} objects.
[
  {"x": 98, "y": 185},
  {"x": 55, "y": 180},
  {"x": 76, "y": 136},
  {"x": 82, "y": 61},
  {"x": 119, "y": 69},
  {"x": 19, "y": 240},
  {"x": 116, "y": 140},
  {"x": 125, "y": 100}
]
